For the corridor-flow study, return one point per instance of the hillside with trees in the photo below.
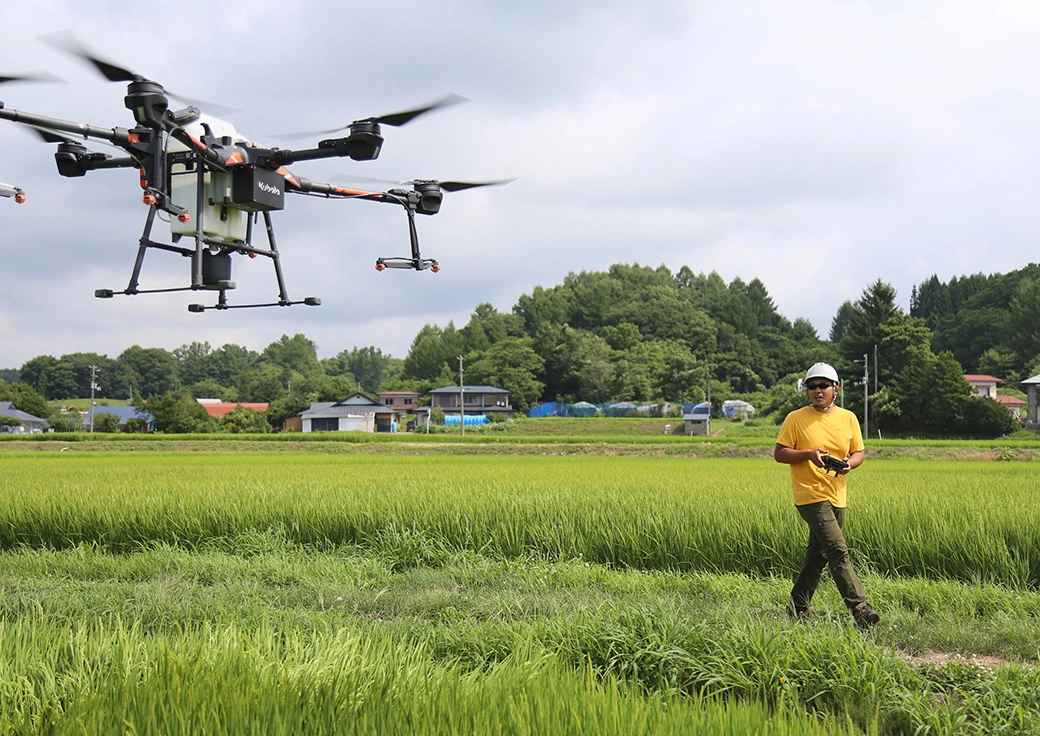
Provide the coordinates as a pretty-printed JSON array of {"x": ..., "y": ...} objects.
[{"x": 631, "y": 333}]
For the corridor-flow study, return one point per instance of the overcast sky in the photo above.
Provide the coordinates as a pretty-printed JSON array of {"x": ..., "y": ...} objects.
[{"x": 815, "y": 145}]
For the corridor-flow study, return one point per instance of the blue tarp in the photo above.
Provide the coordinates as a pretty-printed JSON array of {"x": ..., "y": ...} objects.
[
  {"x": 471, "y": 420},
  {"x": 544, "y": 410}
]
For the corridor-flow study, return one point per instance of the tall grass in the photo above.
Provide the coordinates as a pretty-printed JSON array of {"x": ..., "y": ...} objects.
[
  {"x": 96, "y": 679},
  {"x": 967, "y": 521}
]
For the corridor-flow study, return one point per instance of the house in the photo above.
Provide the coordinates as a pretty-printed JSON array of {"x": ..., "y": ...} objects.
[
  {"x": 29, "y": 423},
  {"x": 356, "y": 413},
  {"x": 217, "y": 408},
  {"x": 986, "y": 387},
  {"x": 1031, "y": 384},
  {"x": 476, "y": 400},
  {"x": 983, "y": 385},
  {"x": 1014, "y": 405},
  {"x": 405, "y": 401}
]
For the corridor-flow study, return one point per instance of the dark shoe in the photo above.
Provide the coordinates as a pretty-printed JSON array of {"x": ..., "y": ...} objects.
[
  {"x": 798, "y": 612},
  {"x": 865, "y": 615}
]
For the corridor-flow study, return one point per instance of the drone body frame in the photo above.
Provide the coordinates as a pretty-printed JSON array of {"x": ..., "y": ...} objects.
[{"x": 214, "y": 185}]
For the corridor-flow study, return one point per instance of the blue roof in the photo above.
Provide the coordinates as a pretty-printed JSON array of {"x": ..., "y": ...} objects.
[
  {"x": 7, "y": 408},
  {"x": 123, "y": 412}
]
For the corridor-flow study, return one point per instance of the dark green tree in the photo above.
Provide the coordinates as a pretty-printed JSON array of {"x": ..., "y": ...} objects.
[
  {"x": 265, "y": 382},
  {"x": 1024, "y": 321},
  {"x": 510, "y": 364},
  {"x": 105, "y": 421},
  {"x": 931, "y": 302},
  {"x": 25, "y": 398},
  {"x": 296, "y": 353},
  {"x": 243, "y": 420},
  {"x": 192, "y": 362},
  {"x": 874, "y": 307},
  {"x": 433, "y": 351},
  {"x": 151, "y": 371},
  {"x": 176, "y": 412},
  {"x": 368, "y": 366},
  {"x": 842, "y": 320},
  {"x": 227, "y": 363}
]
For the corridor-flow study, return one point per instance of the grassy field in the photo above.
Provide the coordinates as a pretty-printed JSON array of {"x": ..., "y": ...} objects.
[{"x": 323, "y": 592}]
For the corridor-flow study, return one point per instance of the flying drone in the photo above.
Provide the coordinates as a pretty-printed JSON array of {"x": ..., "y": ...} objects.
[{"x": 214, "y": 186}]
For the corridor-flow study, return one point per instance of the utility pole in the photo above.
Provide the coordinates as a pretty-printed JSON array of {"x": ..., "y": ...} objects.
[
  {"x": 875, "y": 368},
  {"x": 93, "y": 387},
  {"x": 866, "y": 390},
  {"x": 462, "y": 401}
]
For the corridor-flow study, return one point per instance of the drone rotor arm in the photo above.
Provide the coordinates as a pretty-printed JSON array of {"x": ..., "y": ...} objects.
[
  {"x": 112, "y": 135},
  {"x": 306, "y": 186}
]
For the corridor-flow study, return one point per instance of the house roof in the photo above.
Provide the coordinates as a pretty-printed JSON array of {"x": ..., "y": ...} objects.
[
  {"x": 355, "y": 404},
  {"x": 357, "y": 399},
  {"x": 220, "y": 408},
  {"x": 979, "y": 378},
  {"x": 123, "y": 412},
  {"x": 469, "y": 390},
  {"x": 1009, "y": 400},
  {"x": 1034, "y": 380},
  {"x": 7, "y": 408},
  {"x": 399, "y": 393}
]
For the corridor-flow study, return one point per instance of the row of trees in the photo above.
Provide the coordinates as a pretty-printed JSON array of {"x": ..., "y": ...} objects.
[
  {"x": 634, "y": 333},
  {"x": 988, "y": 323}
]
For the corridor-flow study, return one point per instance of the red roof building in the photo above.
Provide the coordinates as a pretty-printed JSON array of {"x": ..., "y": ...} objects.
[{"x": 220, "y": 408}]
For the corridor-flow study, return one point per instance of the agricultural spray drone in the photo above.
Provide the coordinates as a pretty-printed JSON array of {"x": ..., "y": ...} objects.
[{"x": 214, "y": 186}]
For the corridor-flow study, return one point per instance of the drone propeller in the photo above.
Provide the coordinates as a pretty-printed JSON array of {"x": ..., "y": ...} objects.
[
  {"x": 447, "y": 186},
  {"x": 31, "y": 78},
  {"x": 458, "y": 186},
  {"x": 66, "y": 42},
  {"x": 395, "y": 119},
  {"x": 50, "y": 136}
]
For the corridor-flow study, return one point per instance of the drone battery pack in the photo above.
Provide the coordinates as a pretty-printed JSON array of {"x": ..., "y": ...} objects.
[{"x": 257, "y": 190}]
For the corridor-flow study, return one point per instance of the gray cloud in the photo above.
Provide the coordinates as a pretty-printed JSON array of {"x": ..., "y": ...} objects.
[{"x": 814, "y": 145}]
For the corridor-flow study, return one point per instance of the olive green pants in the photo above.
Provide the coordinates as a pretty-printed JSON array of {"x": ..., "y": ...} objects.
[{"x": 826, "y": 549}]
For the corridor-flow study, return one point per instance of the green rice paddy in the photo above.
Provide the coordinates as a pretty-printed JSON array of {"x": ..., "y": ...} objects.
[{"x": 307, "y": 592}]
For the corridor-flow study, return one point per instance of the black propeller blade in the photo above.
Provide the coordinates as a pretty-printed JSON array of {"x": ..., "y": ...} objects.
[
  {"x": 458, "y": 186},
  {"x": 448, "y": 186},
  {"x": 50, "y": 136},
  {"x": 406, "y": 116},
  {"x": 31, "y": 78},
  {"x": 395, "y": 119},
  {"x": 66, "y": 42}
]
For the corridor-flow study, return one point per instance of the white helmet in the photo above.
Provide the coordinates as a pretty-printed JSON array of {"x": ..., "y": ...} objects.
[{"x": 822, "y": 370}]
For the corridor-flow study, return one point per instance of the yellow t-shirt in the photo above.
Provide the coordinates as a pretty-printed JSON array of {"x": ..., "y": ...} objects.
[{"x": 838, "y": 433}]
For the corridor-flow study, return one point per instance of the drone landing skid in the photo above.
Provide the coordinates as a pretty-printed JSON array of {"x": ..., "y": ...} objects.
[
  {"x": 210, "y": 266},
  {"x": 311, "y": 301},
  {"x": 414, "y": 264}
]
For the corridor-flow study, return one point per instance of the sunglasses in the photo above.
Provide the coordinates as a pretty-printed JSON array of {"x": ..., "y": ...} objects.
[{"x": 818, "y": 385}]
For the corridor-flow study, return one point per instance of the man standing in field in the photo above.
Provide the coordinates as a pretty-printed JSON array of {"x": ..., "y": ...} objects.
[{"x": 809, "y": 438}]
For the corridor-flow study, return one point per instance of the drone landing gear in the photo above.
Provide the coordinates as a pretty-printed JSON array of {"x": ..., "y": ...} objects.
[
  {"x": 210, "y": 266},
  {"x": 416, "y": 262}
]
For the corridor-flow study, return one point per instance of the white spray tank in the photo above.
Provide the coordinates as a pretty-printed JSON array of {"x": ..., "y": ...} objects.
[{"x": 220, "y": 219}]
